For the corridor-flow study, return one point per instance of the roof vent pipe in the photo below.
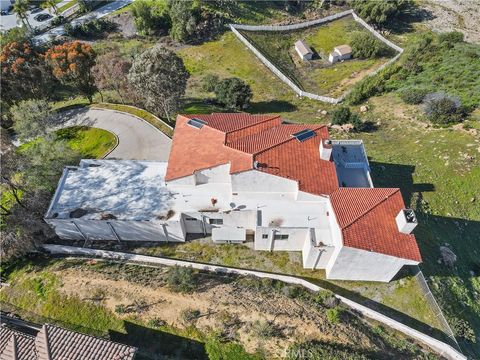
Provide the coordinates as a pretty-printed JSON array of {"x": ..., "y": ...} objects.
[{"x": 325, "y": 149}]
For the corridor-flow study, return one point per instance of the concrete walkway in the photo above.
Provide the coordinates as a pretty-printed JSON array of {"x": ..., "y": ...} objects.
[
  {"x": 137, "y": 139},
  {"x": 96, "y": 14}
]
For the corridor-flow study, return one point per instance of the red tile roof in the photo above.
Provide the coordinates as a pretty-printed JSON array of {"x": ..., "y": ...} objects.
[
  {"x": 365, "y": 215},
  {"x": 367, "y": 219}
]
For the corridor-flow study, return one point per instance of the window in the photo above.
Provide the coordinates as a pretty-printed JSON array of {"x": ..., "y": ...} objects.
[
  {"x": 280, "y": 237},
  {"x": 190, "y": 219},
  {"x": 304, "y": 135},
  {"x": 215, "y": 221},
  {"x": 196, "y": 123},
  {"x": 264, "y": 236}
]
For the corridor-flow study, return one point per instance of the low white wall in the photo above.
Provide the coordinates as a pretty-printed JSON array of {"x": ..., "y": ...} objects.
[
  {"x": 296, "y": 239},
  {"x": 216, "y": 174},
  {"x": 356, "y": 264},
  {"x": 259, "y": 181},
  {"x": 442, "y": 348},
  {"x": 81, "y": 229},
  {"x": 246, "y": 219}
]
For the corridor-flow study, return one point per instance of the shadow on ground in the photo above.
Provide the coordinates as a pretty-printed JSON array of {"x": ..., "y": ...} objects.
[{"x": 156, "y": 344}]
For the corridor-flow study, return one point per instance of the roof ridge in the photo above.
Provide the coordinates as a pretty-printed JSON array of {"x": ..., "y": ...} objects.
[
  {"x": 245, "y": 127},
  {"x": 284, "y": 141},
  {"x": 373, "y": 207}
]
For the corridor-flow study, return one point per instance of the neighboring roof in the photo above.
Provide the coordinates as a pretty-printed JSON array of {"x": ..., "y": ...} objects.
[
  {"x": 343, "y": 49},
  {"x": 302, "y": 48},
  {"x": 366, "y": 217},
  {"x": 15, "y": 345},
  {"x": 55, "y": 343},
  {"x": 228, "y": 122}
]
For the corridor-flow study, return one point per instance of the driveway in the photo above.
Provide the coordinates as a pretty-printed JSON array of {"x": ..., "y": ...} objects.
[{"x": 137, "y": 139}]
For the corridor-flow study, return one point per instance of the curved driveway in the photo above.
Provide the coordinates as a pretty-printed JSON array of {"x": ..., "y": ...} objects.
[{"x": 138, "y": 140}]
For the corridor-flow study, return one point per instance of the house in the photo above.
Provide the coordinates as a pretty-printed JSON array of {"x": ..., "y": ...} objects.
[
  {"x": 50, "y": 342},
  {"x": 342, "y": 52},
  {"x": 241, "y": 177},
  {"x": 303, "y": 50}
]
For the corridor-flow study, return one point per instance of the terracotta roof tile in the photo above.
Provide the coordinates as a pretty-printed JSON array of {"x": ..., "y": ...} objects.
[
  {"x": 367, "y": 219},
  {"x": 227, "y": 122}
]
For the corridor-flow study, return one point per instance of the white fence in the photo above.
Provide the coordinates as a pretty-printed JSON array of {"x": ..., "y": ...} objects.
[
  {"x": 438, "y": 346},
  {"x": 283, "y": 77}
]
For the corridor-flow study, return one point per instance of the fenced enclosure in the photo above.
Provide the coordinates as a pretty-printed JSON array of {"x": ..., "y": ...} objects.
[{"x": 291, "y": 82}]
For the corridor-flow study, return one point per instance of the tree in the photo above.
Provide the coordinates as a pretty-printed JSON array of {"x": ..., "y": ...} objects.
[
  {"x": 380, "y": 12},
  {"x": 31, "y": 118},
  {"x": 16, "y": 34},
  {"x": 110, "y": 73},
  {"x": 72, "y": 63},
  {"x": 366, "y": 46},
  {"x": 150, "y": 15},
  {"x": 50, "y": 4},
  {"x": 185, "y": 17},
  {"x": 160, "y": 78},
  {"x": 209, "y": 82},
  {"x": 20, "y": 7},
  {"x": 23, "y": 73},
  {"x": 233, "y": 93}
]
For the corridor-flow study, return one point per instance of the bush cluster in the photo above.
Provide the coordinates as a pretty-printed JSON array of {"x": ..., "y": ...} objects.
[
  {"x": 443, "y": 109},
  {"x": 90, "y": 29},
  {"x": 342, "y": 115},
  {"x": 233, "y": 93},
  {"x": 366, "y": 46},
  {"x": 181, "y": 279},
  {"x": 412, "y": 95}
]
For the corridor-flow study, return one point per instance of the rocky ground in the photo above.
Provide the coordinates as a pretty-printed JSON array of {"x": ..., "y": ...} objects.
[{"x": 459, "y": 15}]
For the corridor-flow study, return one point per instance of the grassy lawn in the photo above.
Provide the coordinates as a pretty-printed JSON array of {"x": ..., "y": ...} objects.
[
  {"x": 316, "y": 76},
  {"x": 91, "y": 143},
  {"x": 68, "y": 5}
]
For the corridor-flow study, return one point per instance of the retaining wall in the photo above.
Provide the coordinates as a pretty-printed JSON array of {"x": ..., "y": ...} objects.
[
  {"x": 283, "y": 77},
  {"x": 438, "y": 346}
]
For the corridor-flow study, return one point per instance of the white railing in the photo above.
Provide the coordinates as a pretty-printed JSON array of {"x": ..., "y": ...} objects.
[
  {"x": 283, "y": 77},
  {"x": 442, "y": 348}
]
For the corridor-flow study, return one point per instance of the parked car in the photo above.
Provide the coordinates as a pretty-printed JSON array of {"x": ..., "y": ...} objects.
[
  {"x": 35, "y": 10},
  {"x": 4, "y": 12},
  {"x": 42, "y": 17}
]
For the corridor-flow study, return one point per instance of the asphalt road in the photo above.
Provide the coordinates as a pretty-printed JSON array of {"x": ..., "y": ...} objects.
[{"x": 138, "y": 140}]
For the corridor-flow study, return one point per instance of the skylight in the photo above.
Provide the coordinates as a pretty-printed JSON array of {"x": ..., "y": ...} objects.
[
  {"x": 196, "y": 123},
  {"x": 304, "y": 135}
]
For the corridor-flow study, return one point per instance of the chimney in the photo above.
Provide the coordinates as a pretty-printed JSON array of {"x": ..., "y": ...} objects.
[
  {"x": 406, "y": 221},
  {"x": 325, "y": 149}
]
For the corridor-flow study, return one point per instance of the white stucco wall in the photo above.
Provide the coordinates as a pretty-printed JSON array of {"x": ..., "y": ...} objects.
[
  {"x": 186, "y": 180},
  {"x": 216, "y": 174},
  {"x": 296, "y": 239},
  {"x": 355, "y": 264},
  {"x": 304, "y": 196},
  {"x": 246, "y": 219},
  {"x": 258, "y": 181},
  {"x": 126, "y": 230}
]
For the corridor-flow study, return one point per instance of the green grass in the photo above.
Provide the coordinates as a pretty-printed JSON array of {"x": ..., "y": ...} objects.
[
  {"x": 316, "y": 76},
  {"x": 91, "y": 143},
  {"x": 68, "y": 5},
  {"x": 143, "y": 114}
]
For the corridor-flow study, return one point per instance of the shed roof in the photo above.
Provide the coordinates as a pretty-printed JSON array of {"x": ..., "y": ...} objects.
[
  {"x": 343, "y": 49},
  {"x": 302, "y": 48}
]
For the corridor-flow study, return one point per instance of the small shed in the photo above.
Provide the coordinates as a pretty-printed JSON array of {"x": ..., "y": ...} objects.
[
  {"x": 342, "y": 52},
  {"x": 303, "y": 50}
]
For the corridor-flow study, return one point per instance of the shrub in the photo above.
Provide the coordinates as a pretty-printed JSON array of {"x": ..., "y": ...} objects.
[
  {"x": 412, "y": 95},
  {"x": 181, "y": 279},
  {"x": 358, "y": 124},
  {"x": 58, "y": 20},
  {"x": 156, "y": 323},
  {"x": 190, "y": 315},
  {"x": 90, "y": 29},
  {"x": 120, "y": 309},
  {"x": 150, "y": 16},
  {"x": 233, "y": 93},
  {"x": 209, "y": 82},
  {"x": 262, "y": 329},
  {"x": 341, "y": 115},
  {"x": 441, "y": 108},
  {"x": 366, "y": 46},
  {"x": 334, "y": 315},
  {"x": 316, "y": 350}
]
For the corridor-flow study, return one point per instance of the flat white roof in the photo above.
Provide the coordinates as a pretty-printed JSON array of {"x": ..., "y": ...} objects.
[
  {"x": 303, "y": 48},
  {"x": 136, "y": 190}
]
